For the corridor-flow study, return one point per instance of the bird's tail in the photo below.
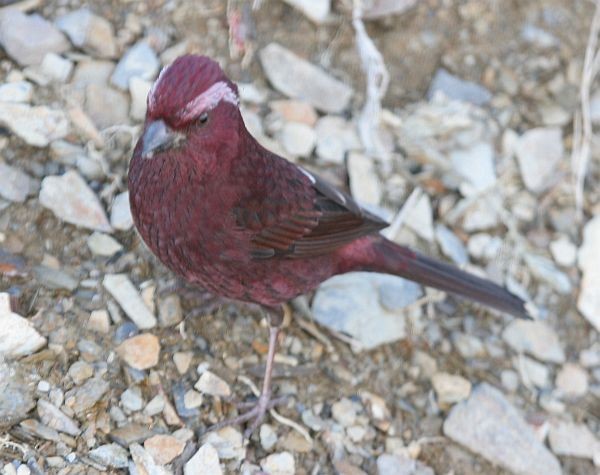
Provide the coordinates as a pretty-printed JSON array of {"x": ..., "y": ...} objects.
[{"x": 390, "y": 258}]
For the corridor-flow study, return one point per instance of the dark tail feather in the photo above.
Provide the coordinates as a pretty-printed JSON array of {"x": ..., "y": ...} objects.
[{"x": 391, "y": 258}]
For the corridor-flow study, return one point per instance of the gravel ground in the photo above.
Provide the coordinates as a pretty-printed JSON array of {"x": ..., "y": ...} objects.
[{"x": 106, "y": 364}]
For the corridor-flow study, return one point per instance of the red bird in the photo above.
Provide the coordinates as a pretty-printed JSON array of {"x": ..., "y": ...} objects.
[{"x": 224, "y": 213}]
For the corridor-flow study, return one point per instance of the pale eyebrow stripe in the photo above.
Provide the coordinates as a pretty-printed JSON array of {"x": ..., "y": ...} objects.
[
  {"x": 209, "y": 99},
  {"x": 152, "y": 92}
]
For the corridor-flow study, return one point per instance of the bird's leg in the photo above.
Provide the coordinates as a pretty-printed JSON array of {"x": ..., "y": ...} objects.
[{"x": 264, "y": 403}]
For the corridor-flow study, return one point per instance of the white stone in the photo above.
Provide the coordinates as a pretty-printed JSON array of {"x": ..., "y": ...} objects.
[
  {"x": 573, "y": 440},
  {"x": 335, "y": 137},
  {"x": 139, "y": 61},
  {"x": 281, "y": 463},
  {"x": 316, "y": 10},
  {"x": 103, "y": 245},
  {"x": 532, "y": 372},
  {"x": 138, "y": 88},
  {"x": 123, "y": 291},
  {"x": 545, "y": 270},
  {"x": 145, "y": 463},
  {"x": 268, "y": 437},
  {"x": 450, "y": 388},
  {"x": 563, "y": 251},
  {"x": 451, "y": 245},
  {"x": 19, "y": 91},
  {"x": 120, "y": 214},
  {"x": 536, "y": 338},
  {"x": 539, "y": 151},
  {"x": 209, "y": 383},
  {"x": 420, "y": 218},
  {"x": 15, "y": 185},
  {"x": 90, "y": 32},
  {"x": 475, "y": 165},
  {"x": 18, "y": 337},
  {"x": 365, "y": 185},
  {"x": 228, "y": 442},
  {"x": 71, "y": 199},
  {"x": 298, "y": 139},
  {"x": 56, "y": 67},
  {"x": 588, "y": 257},
  {"x": 38, "y": 126},
  {"x": 204, "y": 462},
  {"x": 572, "y": 380}
]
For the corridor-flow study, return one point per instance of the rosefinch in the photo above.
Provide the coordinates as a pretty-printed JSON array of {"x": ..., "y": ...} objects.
[{"x": 223, "y": 212}]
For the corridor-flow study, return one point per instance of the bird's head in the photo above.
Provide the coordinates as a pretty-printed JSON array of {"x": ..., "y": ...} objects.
[{"x": 191, "y": 101}]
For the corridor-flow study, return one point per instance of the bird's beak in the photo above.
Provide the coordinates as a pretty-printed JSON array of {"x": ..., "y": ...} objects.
[{"x": 157, "y": 138}]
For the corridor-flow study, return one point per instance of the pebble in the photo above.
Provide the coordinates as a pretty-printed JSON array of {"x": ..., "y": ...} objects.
[
  {"x": 572, "y": 381},
  {"x": 469, "y": 346},
  {"x": 396, "y": 464},
  {"x": 209, "y": 383},
  {"x": 268, "y": 437},
  {"x": 335, "y": 136},
  {"x": 450, "y": 389},
  {"x": 36, "y": 429},
  {"x": 379, "y": 9},
  {"x": 351, "y": 303},
  {"x": 299, "y": 79},
  {"x": 54, "y": 278},
  {"x": 123, "y": 291},
  {"x": 92, "y": 71},
  {"x": 295, "y": 111},
  {"x": 164, "y": 448},
  {"x": 419, "y": 218},
  {"x": 344, "y": 412},
  {"x": 563, "y": 251},
  {"x": 56, "y": 68},
  {"x": 251, "y": 93},
  {"x": 16, "y": 391},
  {"x": 36, "y": 125},
  {"x": 590, "y": 357},
  {"x": 537, "y": 36},
  {"x": 15, "y": 185},
  {"x": 90, "y": 32},
  {"x": 398, "y": 294},
  {"x": 138, "y": 89},
  {"x": 72, "y": 200},
  {"x": 475, "y": 165},
  {"x": 365, "y": 185},
  {"x": 106, "y": 106},
  {"x": 169, "y": 311},
  {"x": 130, "y": 434},
  {"x": 120, "y": 215},
  {"x": 488, "y": 417},
  {"x": 510, "y": 380},
  {"x": 570, "y": 439},
  {"x": 145, "y": 463},
  {"x": 533, "y": 372},
  {"x": 536, "y": 338},
  {"x": 539, "y": 151},
  {"x": 281, "y": 463},
  {"x": 459, "y": 89},
  {"x": 192, "y": 399},
  {"x": 111, "y": 455},
  {"x": 204, "y": 462},
  {"x": 53, "y": 417},
  {"x": 103, "y": 245},
  {"x": 139, "y": 61},
  {"x": 155, "y": 406},
  {"x": 27, "y": 38},
  {"x": 544, "y": 270},
  {"x": 18, "y": 91},
  {"x": 80, "y": 371},
  {"x": 82, "y": 398},
  {"x": 588, "y": 302},
  {"x": 316, "y": 10},
  {"x": 297, "y": 139},
  {"x": 182, "y": 360},
  {"x": 99, "y": 321},
  {"x": 140, "y": 352},
  {"x": 131, "y": 400},
  {"x": 18, "y": 337},
  {"x": 451, "y": 245},
  {"x": 228, "y": 442}
]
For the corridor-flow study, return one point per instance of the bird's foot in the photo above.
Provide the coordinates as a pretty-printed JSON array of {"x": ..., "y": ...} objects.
[{"x": 256, "y": 413}]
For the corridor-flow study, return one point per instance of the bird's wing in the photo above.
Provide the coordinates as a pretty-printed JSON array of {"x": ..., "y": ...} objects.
[{"x": 303, "y": 216}]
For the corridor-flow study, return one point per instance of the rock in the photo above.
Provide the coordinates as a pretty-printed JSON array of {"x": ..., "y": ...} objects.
[
  {"x": 532, "y": 372},
  {"x": 209, "y": 383},
  {"x": 450, "y": 389},
  {"x": 192, "y": 399},
  {"x": 228, "y": 442},
  {"x": 545, "y": 270},
  {"x": 344, "y": 412},
  {"x": 297, "y": 139},
  {"x": 536, "y": 338},
  {"x": 103, "y": 245},
  {"x": 84, "y": 397},
  {"x": 451, "y": 245},
  {"x": 352, "y": 303},
  {"x": 140, "y": 352},
  {"x": 295, "y": 111},
  {"x": 535, "y": 35},
  {"x": 55, "y": 278},
  {"x": 56, "y": 67},
  {"x": 138, "y": 89},
  {"x": 18, "y": 337},
  {"x": 384, "y": 8},
  {"x": 99, "y": 321},
  {"x": 469, "y": 346},
  {"x": 106, "y": 106},
  {"x": 36, "y": 429},
  {"x": 268, "y": 437},
  {"x": 169, "y": 311},
  {"x": 16, "y": 389},
  {"x": 335, "y": 137},
  {"x": 483, "y": 246},
  {"x": 251, "y": 93},
  {"x": 80, "y": 371},
  {"x": 131, "y": 400},
  {"x": 37, "y": 126},
  {"x": 120, "y": 215},
  {"x": 139, "y": 61},
  {"x": 71, "y": 200},
  {"x": 510, "y": 380},
  {"x": 89, "y": 32},
  {"x": 91, "y": 71},
  {"x": 204, "y": 462},
  {"x": 53, "y": 417},
  {"x": 479, "y": 215},
  {"x": 588, "y": 302},
  {"x": 590, "y": 357},
  {"x": 563, "y": 251},
  {"x": 365, "y": 185},
  {"x": 27, "y": 38},
  {"x": 130, "y": 434},
  {"x": 475, "y": 165},
  {"x": 396, "y": 295},
  {"x": 459, "y": 89},
  {"x": 539, "y": 152},
  {"x": 145, "y": 463},
  {"x": 20, "y": 91},
  {"x": 281, "y": 463},
  {"x": 572, "y": 381},
  {"x": 573, "y": 440},
  {"x": 164, "y": 448},
  {"x": 14, "y": 184},
  {"x": 396, "y": 464},
  {"x": 315, "y": 10},
  {"x": 111, "y": 455},
  {"x": 123, "y": 291},
  {"x": 299, "y": 79},
  {"x": 182, "y": 360},
  {"x": 420, "y": 218},
  {"x": 486, "y": 418},
  {"x": 155, "y": 406}
]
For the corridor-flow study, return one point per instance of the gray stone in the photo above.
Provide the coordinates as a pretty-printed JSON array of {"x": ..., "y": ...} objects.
[
  {"x": 103, "y": 245},
  {"x": 384, "y": 8},
  {"x": 38, "y": 126},
  {"x": 169, "y": 311},
  {"x": 145, "y": 462},
  {"x": 316, "y": 10},
  {"x": 536, "y": 338},
  {"x": 297, "y": 139},
  {"x": 27, "y": 38},
  {"x": 399, "y": 293},
  {"x": 475, "y": 165},
  {"x": 451, "y": 245},
  {"x": 84, "y": 397},
  {"x": 56, "y": 68},
  {"x": 588, "y": 257},
  {"x": 209, "y": 383},
  {"x": 545, "y": 270},
  {"x": 39, "y": 430},
  {"x": 131, "y": 400},
  {"x": 281, "y": 463},
  {"x": 335, "y": 137},
  {"x": 204, "y": 462},
  {"x": 228, "y": 441},
  {"x": 89, "y": 32},
  {"x": 53, "y": 417},
  {"x": 18, "y": 337},
  {"x": 539, "y": 151},
  {"x": 572, "y": 381},
  {"x": 120, "y": 214},
  {"x": 365, "y": 185},
  {"x": 299, "y": 79},
  {"x": 16, "y": 389},
  {"x": 268, "y": 436},
  {"x": 395, "y": 464},
  {"x": 535, "y": 35},
  {"x": 351, "y": 303},
  {"x": 15, "y": 185},
  {"x": 55, "y": 278},
  {"x": 139, "y": 61},
  {"x": 20, "y": 91},
  {"x": 456, "y": 88},
  {"x": 123, "y": 291},
  {"x": 573, "y": 440},
  {"x": 533, "y": 373},
  {"x": 106, "y": 106},
  {"x": 138, "y": 89},
  {"x": 111, "y": 455},
  {"x": 490, "y": 426},
  {"x": 71, "y": 200}
]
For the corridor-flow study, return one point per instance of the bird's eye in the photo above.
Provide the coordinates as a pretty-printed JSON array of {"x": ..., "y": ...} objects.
[{"x": 203, "y": 119}]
